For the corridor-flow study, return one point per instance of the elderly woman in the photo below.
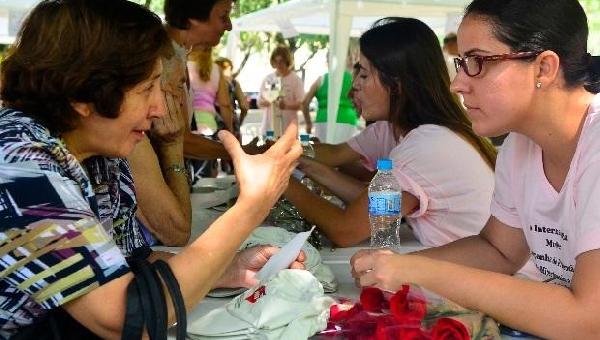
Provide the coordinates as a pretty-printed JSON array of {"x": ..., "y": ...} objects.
[{"x": 82, "y": 85}]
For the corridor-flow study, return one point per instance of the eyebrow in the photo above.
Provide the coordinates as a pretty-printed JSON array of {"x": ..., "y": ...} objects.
[{"x": 473, "y": 50}]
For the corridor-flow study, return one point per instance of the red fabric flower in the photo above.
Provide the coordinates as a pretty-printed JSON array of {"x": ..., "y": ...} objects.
[
  {"x": 449, "y": 329},
  {"x": 407, "y": 309},
  {"x": 372, "y": 299}
]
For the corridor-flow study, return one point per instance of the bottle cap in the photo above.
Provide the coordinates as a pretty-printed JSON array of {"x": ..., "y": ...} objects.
[
  {"x": 304, "y": 137},
  {"x": 384, "y": 164}
]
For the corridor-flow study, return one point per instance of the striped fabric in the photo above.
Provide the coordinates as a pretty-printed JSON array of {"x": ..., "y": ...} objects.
[{"x": 53, "y": 248}]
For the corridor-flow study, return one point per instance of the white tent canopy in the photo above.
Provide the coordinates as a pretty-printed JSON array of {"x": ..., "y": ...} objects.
[{"x": 342, "y": 19}]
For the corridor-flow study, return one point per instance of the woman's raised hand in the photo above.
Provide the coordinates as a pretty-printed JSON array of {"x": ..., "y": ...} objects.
[{"x": 264, "y": 177}]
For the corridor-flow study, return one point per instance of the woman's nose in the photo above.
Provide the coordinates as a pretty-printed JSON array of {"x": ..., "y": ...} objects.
[
  {"x": 459, "y": 83},
  {"x": 158, "y": 108}
]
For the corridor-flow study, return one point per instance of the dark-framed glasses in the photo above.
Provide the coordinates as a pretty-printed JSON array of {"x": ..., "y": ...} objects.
[{"x": 472, "y": 65}]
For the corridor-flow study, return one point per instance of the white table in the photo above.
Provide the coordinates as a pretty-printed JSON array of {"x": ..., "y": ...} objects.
[{"x": 338, "y": 259}]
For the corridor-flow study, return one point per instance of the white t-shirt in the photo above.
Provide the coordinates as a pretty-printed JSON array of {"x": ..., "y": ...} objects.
[
  {"x": 558, "y": 226},
  {"x": 446, "y": 173}
]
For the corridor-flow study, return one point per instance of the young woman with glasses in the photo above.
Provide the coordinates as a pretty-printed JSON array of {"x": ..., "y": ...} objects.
[
  {"x": 525, "y": 70},
  {"x": 444, "y": 169}
]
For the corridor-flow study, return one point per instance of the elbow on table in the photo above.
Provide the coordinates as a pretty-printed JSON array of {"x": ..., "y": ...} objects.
[
  {"x": 179, "y": 240},
  {"x": 345, "y": 239},
  {"x": 178, "y": 234}
]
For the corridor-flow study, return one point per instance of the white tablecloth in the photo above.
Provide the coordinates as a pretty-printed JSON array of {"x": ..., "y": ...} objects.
[{"x": 337, "y": 258}]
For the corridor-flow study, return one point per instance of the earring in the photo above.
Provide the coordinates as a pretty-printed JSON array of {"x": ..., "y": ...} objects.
[{"x": 538, "y": 85}]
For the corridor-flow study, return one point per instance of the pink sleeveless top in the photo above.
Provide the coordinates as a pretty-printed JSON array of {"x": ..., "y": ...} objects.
[{"x": 205, "y": 92}]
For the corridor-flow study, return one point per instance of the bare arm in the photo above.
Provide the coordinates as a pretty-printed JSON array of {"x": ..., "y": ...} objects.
[
  {"x": 224, "y": 102},
  {"x": 357, "y": 170},
  {"x": 262, "y": 179},
  {"x": 498, "y": 247},
  {"x": 547, "y": 310},
  {"x": 343, "y": 186},
  {"x": 306, "y": 102},
  {"x": 455, "y": 271},
  {"x": 198, "y": 147},
  {"x": 335, "y": 154},
  {"x": 163, "y": 196},
  {"x": 344, "y": 227},
  {"x": 242, "y": 101}
]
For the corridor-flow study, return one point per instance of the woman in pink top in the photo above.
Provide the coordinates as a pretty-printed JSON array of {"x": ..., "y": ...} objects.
[
  {"x": 290, "y": 88},
  {"x": 207, "y": 91},
  {"x": 525, "y": 70},
  {"x": 444, "y": 169}
]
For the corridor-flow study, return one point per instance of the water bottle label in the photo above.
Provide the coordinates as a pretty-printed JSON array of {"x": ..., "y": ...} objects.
[{"x": 384, "y": 203}]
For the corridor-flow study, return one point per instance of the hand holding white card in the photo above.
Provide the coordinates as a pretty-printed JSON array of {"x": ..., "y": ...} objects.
[{"x": 284, "y": 257}]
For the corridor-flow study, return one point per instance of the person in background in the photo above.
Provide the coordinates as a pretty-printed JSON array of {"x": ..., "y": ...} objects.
[
  {"x": 58, "y": 251},
  {"x": 444, "y": 169},
  {"x": 347, "y": 117},
  {"x": 237, "y": 100},
  {"x": 235, "y": 91},
  {"x": 205, "y": 79},
  {"x": 533, "y": 77},
  {"x": 161, "y": 178},
  {"x": 450, "y": 49},
  {"x": 291, "y": 92}
]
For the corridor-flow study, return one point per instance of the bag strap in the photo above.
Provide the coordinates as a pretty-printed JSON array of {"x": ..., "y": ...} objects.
[
  {"x": 134, "y": 314},
  {"x": 145, "y": 295},
  {"x": 174, "y": 290},
  {"x": 156, "y": 314}
]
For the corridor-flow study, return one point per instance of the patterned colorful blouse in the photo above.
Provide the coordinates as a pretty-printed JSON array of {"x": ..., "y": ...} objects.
[{"x": 52, "y": 247}]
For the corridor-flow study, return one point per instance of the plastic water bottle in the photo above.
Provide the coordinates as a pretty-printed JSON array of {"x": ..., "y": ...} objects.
[
  {"x": 307, "y": 148},
  {"x": 384, "y": 206},
  {"x": 269, "y": 136}
]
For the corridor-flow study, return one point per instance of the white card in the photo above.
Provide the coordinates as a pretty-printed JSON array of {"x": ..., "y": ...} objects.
[{"x": 284, "y": 257}]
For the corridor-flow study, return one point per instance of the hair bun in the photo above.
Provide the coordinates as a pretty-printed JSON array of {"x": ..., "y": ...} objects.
[{"x": 593, "y": 85}]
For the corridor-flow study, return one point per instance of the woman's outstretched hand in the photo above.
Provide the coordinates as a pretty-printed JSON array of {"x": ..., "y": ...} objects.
[{"x": 264, "y": 177}]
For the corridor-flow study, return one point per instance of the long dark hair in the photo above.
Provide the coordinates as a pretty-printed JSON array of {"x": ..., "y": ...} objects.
[
  {"x": 555, "y": 25},
  {"x": 409, "y": 62}
]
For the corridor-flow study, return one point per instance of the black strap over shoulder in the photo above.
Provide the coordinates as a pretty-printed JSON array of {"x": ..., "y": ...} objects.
[
  {"x": 178, "y": 303},
  {"x": 146, "y": 304}
]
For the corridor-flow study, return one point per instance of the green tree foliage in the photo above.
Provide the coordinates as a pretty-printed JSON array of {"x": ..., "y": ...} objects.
[
  {"x": 592, "y": 9},
  {"x": 256, "y": 42}
]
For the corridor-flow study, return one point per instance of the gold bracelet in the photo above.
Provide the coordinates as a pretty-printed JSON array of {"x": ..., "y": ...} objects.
[{"x": 180, "y": 169}]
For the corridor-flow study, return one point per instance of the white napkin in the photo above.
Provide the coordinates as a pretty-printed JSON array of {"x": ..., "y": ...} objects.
[{"x": 284, "y": 257}]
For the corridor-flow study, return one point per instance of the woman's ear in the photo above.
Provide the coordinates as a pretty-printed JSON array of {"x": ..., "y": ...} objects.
[
  {"x": 83, "y": 109},
  {"x": 548, "y": 66}
]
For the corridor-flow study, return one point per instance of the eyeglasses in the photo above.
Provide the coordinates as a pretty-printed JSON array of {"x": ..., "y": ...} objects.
[{"x": 472, "y": 65}]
